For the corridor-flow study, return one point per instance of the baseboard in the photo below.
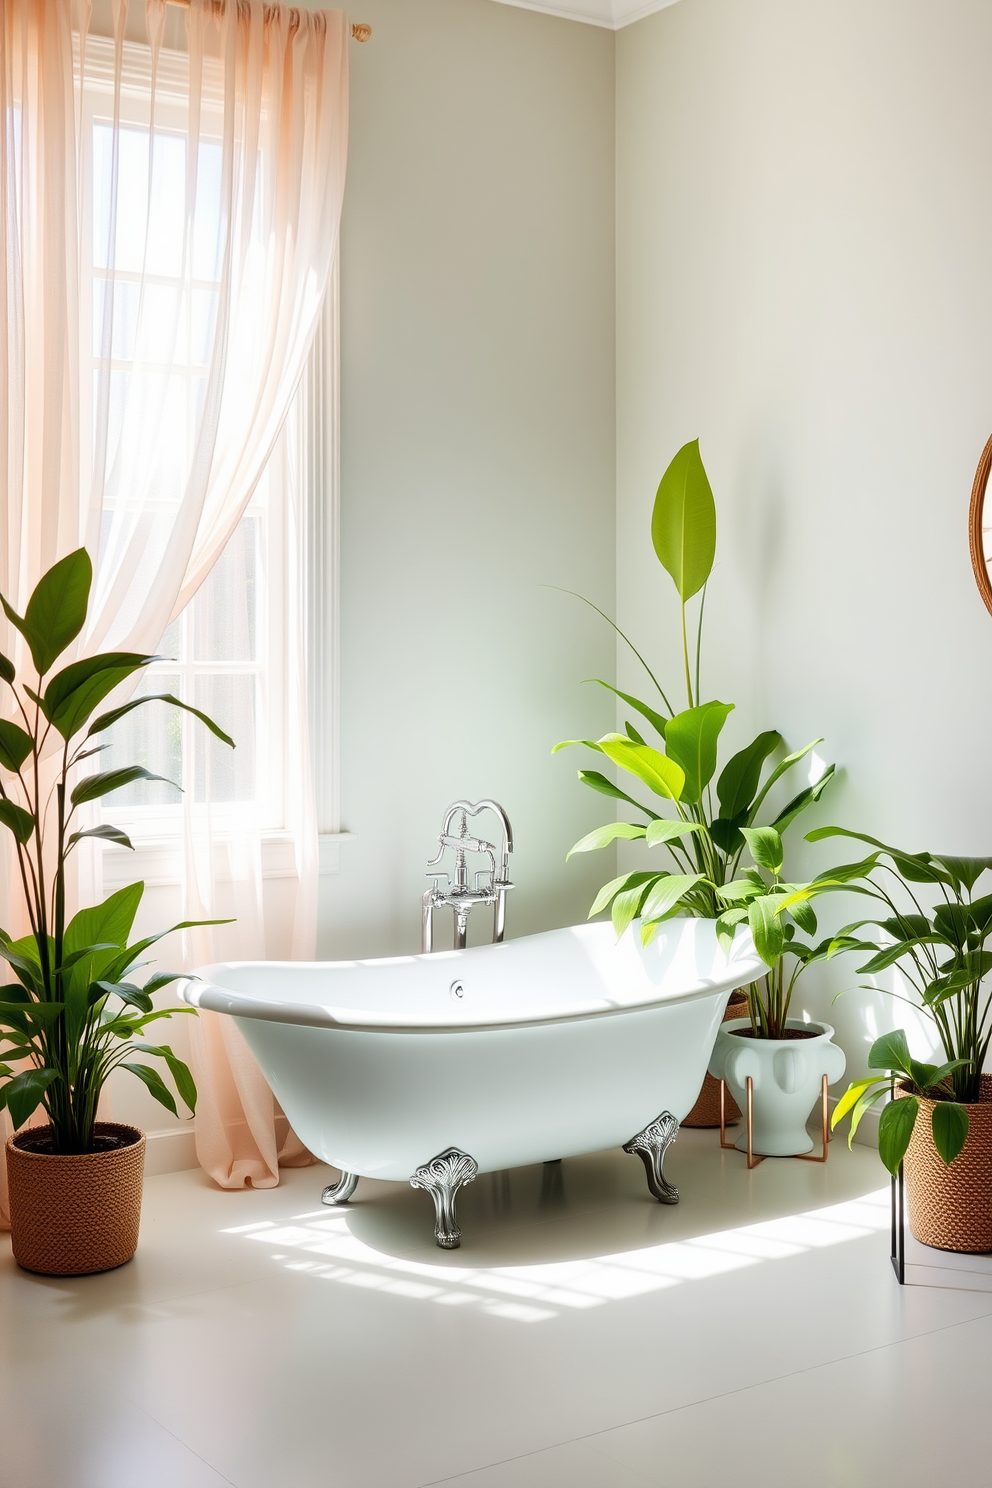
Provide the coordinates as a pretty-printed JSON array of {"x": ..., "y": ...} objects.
[{"x": 170, "y": 1151}]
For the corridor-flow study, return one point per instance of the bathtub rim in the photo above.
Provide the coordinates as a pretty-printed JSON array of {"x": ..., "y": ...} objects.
[{"x": 198, "y": 991}]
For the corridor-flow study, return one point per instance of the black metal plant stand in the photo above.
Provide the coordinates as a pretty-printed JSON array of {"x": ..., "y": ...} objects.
[{"x": 897, "y": 1248}]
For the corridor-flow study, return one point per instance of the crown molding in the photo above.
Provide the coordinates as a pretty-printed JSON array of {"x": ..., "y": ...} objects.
[{"x": 610, "y": 14}]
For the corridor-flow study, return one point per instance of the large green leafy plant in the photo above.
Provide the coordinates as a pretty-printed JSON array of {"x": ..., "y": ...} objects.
[
  {"x": 74, "y": 1013},
  {"x": 703, "y": 829},
  {"x": 943, "y": 953}
]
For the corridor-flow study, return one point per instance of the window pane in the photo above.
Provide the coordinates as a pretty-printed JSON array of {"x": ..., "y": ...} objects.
[
  {"x": 149, "y": 736},
  {"x": 220, "y": 773},
  {"x": 224, "y": 619}
]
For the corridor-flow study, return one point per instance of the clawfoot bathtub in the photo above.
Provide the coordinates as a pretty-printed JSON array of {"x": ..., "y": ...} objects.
[{"x": 431, "y": 1069}]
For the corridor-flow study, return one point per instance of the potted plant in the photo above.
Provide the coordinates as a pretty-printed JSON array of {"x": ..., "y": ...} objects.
[
  {"x": 937, "y": 1118},
  {"x": 784, "y": 1058},
  {"x": 74, "y": 1014},
  {"x": 703, "y": 841}
]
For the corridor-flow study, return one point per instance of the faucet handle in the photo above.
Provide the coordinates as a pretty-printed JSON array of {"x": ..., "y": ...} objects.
[{"x": 437, "y": 877}]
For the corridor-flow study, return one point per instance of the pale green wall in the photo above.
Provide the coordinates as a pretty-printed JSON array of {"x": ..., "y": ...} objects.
[
  {"x": 477, "y": 372},
  {"x": 803, "y": 269}
]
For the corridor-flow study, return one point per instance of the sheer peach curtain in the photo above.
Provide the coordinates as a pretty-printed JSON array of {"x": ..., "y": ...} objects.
[{"x": 105, "y": 330}]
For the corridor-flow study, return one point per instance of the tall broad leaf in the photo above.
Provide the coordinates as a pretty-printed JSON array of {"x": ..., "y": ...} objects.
[
  {"x": 664, "y": 776},
  {"x": 91, "y": 787},
  {"x": 605, "y": 835},
  {"x": 683, "y": 523},
  {"x": 949, "y": 1124},
  {"x": 691, "y": 739},
  {"x": 56, "y": 611},
  {"x": 767, "y": 929},
  {"x": 108, "y": 924},
  {"x": 73, "y": 693},
  {"x": 766, "y": 847},
  {"x": 15, "y": 745},
  {"x": 895, "y": 1127},
  {"x": 738, "y": 783}
]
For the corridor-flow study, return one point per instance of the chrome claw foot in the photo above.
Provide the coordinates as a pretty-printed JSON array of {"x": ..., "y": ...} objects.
[
  {"x": 442, "y": 1177},
  {"x": 340, "y": 1192},
  {"x": 650, "y": 1145}
]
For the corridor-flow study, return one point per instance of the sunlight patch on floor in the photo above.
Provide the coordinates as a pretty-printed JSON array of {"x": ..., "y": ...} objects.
[{"x": 321, "y": 1244}]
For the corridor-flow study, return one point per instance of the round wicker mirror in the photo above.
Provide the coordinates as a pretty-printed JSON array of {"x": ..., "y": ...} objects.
[{"x": 980, "y": 528}]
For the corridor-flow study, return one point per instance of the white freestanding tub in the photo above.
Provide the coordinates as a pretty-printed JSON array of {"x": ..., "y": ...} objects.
[{"x": 430, "y": 1069}]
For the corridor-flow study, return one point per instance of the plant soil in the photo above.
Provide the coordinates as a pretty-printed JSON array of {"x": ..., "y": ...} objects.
[
  {"x": 41, "y": 1139},
  {"x": 789, "y": 1033}
]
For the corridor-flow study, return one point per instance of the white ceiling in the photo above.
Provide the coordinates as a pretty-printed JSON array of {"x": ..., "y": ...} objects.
[{"x": 609, "y": 13}]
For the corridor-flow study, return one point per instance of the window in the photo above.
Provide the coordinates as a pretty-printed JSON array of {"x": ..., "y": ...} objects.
[{"x": 152, "y": 317}]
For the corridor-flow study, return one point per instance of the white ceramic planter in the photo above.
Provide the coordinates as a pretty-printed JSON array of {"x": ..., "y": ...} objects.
[{"x": 786, "y": 1075}]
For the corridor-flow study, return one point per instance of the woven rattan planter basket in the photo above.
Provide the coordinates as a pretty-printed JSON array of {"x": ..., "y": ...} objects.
[
  {"x": 706, "y": 1111},
  {"x": 71, "y": 1215},
  {"x": 951, "y": 1207}
]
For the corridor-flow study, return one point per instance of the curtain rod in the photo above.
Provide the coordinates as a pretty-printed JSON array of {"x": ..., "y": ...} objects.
[{"x": 360, "y": 32}]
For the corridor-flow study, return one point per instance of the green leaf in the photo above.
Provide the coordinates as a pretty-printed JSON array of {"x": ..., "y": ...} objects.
[
  {"x": 106, "y": 720},
  {"x": 659, "y": 773},
  {"x": 56, "y": 611},
  {"x": 846, "y": 873},
  {"x": 162, "y": 979},
  {"x": 765, "y": 846},
  {"x": 664, "y": 896},
  {"x": 603, "y": 836},
  {"x": 106, "y": 832},
  {"x": 15, "y": 745},
  {"x": 849, "y": 1099},
  {"x": 726, "y": 926},
  {"x": 804, "y": 917},
  {"x": 179, "y": 1071},
  {"x": 24, "y": 1093},
  {"x": 965, "y": 871},
  {"x": 895, "y": 1128},
  {"x": 598, "y": 782},
  {"x": 861, "y": 1109},
  {"x": 740, "y": 891},
  {"x": 616, "y": 886},
  {"x": 766, "y": 928},
  {"x": 739, "y": 781},
  {"x": 17, "y": 820},
  {"x": 726, "y": 832},
  {"x": 94, "y": 786},
  {"x": 7, "y": 672},
  {"x": 126, "y": 991},
  {"x": 626, "y": 905},
  {"x": 891, "y": 1052},
  {"x": 805, "y": 798},
  {"x": 74, "y": 692},
  {"x": 106, "y": 923},
  {"x": 654, "y": 718},
  {"x": 663, "y": 830},
  {"x": 777, "y": 773},
  {"x": 691, "y": 740},
  {"x": 950, "y": 1128},
  {"x": 683, "y": 523},
  {"x": 891, "y": 954},
  {"x": 632, "y": 733},
  {"x": 156, "y": 1085}
]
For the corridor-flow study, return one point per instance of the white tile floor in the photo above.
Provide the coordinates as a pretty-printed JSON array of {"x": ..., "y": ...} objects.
[{"x": 583, "y": 1337}]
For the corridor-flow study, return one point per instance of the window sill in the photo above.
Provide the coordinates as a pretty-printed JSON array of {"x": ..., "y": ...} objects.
[{"x": 157, "y": 861}]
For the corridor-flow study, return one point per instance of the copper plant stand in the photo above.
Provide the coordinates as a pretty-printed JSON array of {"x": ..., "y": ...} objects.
[{"x": 752, "y": 1160}]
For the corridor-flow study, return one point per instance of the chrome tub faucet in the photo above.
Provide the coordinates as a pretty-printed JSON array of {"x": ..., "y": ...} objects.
[{"x": 454, "y": 891}]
